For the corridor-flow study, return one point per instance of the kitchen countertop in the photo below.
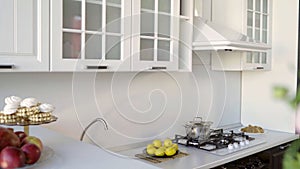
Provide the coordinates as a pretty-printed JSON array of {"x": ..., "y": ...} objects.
[
  {"x": 69, "y": 153},
  {"x": 202, "y": 159},
  {"x": 66, "y": 153}
]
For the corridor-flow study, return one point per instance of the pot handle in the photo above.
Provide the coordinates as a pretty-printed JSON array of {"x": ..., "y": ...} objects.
[{"x": 196, "y": 119}]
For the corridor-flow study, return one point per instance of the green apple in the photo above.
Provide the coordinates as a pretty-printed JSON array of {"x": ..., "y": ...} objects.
[
  {"x": 157, "y": 143},
  {"x": 175, "y": 146},
  {"x": 150, "y": 146},
  {"x": 168, "y": 142},
  {"x": 151, "y": 150},
  {"x": 170, "y": 151},
  {"x": 160, "y": 152}
]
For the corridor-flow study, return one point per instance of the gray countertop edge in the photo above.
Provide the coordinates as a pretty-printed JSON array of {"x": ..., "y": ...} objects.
[{"x": 200, "y": 159}]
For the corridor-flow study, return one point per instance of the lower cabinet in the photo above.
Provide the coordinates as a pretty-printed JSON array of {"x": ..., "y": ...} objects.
[{"x": 268, "y": 159}]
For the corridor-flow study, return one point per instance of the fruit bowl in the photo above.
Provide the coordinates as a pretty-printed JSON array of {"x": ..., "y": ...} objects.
[
  {"x": 160, "y": 148},
  {"x": 17, "y": 149},
  {"x": 164, "y": 156}
]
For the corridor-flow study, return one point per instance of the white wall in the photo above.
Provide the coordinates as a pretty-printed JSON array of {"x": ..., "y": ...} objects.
[
  {"x": 137, "y": 106},
  {"x": 258, "y": 104}
]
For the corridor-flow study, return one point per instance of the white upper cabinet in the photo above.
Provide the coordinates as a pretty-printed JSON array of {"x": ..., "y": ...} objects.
[
  {"x": 24, "y": 32},
  {"x": 155, "y": 35},
  {"x": 120, "y": 35},
  {"x": 90, "y": 35}
]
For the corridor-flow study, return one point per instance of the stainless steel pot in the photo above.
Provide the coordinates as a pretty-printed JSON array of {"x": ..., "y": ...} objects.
[{"x": 198, "y": 129}]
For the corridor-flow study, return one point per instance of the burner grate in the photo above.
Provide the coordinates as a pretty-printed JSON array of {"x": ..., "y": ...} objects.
[{"x": 218, "y": 139}]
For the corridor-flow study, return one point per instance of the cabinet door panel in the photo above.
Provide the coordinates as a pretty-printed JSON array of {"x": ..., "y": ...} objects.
[
  {"x": 163, "y": 53},
  {"x": 100, "y": 37},
  {"x": 113, "y": 48},
  {"x": 164, "y": 26},
  {"x": 72, "y": 14},
  {"x": 71, "y": 45},
  {"x": 148, "y": 4},
  {"x": 24, "y": 35},
  {"x": 147, "y": 50},
  {"x": 164, "y": 6},
  {"x": 92, "y": 22},
  {"x": 113, "y": 19},
  {"x": 26, "y": 19},
  {"x": 147, "y": 23},
  {"x": 155, "y": 41},
  {"x": 7, "y": 25},
  {"x": 93, "y": 47}
]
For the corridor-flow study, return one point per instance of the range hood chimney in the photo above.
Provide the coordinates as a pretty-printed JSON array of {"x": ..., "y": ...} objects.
[{"x": 210, "y": 36}]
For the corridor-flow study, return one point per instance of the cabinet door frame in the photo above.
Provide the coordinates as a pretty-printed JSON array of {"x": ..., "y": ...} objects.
[
  {"x": 260, "y": 65},
  {"x": 36, "y": 59},
  {"x": 57, "y": 63},
  {"x": 139, "y": 65}
]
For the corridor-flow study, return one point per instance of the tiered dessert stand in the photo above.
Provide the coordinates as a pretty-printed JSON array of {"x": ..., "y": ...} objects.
[{"x": 26, "y": 123}]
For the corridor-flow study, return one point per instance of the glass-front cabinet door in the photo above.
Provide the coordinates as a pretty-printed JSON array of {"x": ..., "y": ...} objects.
[
  {"x": 155, "y": 32},
  {"x": 89, "y": 35},
  {"x": 258, "y": 29},
  {"x": 24, "y": 35}
]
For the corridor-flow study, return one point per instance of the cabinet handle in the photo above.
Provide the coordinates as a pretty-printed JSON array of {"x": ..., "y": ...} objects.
[
  {"x": 158, "y": 68},
  {"x": 6, "y": 66},
  {"x": 96, "y": 67},
  {"x": 260, "y": 68}
]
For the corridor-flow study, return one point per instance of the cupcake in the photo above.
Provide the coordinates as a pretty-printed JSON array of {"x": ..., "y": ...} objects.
[
  {"x": 9, "y": 113},
  {"x": 44, "y": 115},
  {"x": 29, "y": 106}
]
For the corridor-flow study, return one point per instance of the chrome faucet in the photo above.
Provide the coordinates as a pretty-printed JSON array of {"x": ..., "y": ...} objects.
[{"x": 94, "y": 121}]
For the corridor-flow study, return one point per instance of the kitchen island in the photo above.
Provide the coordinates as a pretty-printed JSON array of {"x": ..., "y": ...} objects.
[
  {"x": 66, "y": 153},
  {"x": 202, "y": 159}
]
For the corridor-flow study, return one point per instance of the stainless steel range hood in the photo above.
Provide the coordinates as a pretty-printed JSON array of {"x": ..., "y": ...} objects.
[{"x": 210, "y": 36}]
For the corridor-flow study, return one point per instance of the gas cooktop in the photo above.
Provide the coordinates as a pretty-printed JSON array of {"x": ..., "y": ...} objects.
[{"x": 221, "y": 143}]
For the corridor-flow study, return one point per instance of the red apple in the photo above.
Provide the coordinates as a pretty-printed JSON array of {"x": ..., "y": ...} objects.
[
  {"x": 12, "y": 157},
  {"x": 21, "y": 135},
  {"x": 8, "y": 138},
  {"x": 11, "y": 129},
  {"x": 33, "y": 140},
  {"x": 32, "y": 153}
]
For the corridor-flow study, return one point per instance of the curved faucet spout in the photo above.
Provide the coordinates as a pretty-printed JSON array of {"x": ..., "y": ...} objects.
[{"x": 94, "y": 121}]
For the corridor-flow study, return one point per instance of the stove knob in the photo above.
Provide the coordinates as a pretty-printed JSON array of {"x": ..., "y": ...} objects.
[
  {"x": 230, "y": 146},
  {"x": 182, "y": 141},
  {"x": 235, "y": 145},
  {"x": 242, "y": 143},
  {"x": 247, "y": 142}
]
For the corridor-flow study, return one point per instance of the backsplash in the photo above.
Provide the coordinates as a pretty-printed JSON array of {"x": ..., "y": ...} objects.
[{"x": 137, "y": 106}]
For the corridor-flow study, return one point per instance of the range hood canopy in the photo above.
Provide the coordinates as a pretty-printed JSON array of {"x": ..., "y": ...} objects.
[{"x": 210, "y": 36}]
